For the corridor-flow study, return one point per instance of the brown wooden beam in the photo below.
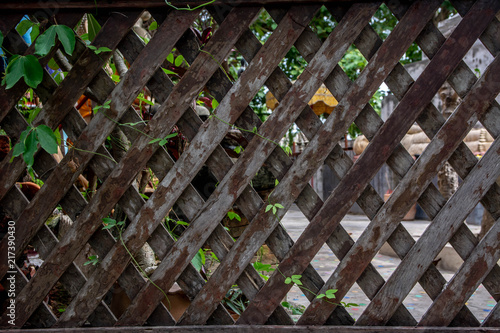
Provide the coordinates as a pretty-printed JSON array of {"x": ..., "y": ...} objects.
[{"x": 123, "y": 4}]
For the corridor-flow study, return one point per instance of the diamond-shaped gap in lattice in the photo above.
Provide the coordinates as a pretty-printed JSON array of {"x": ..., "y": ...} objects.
[
  {"x": 383, "y": 21},
  {"x": 417, "y": 301},
  {"x": 322, "y": 23},
  {"x": 481, "y": 303},
  {"x": 263, "y": 27},
  {"x": 293, "y": 64}
]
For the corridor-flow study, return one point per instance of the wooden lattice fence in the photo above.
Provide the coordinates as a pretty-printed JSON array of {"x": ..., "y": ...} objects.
[{"x": 89, "y": 287}]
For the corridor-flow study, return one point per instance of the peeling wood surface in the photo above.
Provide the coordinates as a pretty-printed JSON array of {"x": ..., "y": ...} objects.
[{"x": 88, "y": 287}]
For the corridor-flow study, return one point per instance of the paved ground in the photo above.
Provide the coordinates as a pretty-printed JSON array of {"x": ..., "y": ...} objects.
[{"x": 325, "y": 262}]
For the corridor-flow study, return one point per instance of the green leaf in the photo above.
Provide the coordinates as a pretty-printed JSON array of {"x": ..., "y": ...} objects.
[
  {"x": 262, "y": 267},
  {"x": 102, "y": 49},
  {"x": 168, "y": 72},
  {"x": 94, "y": 27},
  {"x": 33, "y": 115},
  {"x": 171, "y": 135},
  {"x": 320, "y": 296},
  {"x": 23, "y": 66},
  {"x": 278, "y": 205},
  {"x": 296, "y": 277},
  {"x": 155, "y": 140},
  {"x": 153, "y": 26},
  {"x": 269, "y": 207},
  {"x": 182, "y": 223},
  {"x": 163, "y": 142},
  {"x": 198, "y": 260},
  {"x": 58, "y": 136},
  {"x": 47, "y": 139},
  {"x": 45, "y": 41},
  {"x": 52, "y": 64},
  {"x": 288, "y": 280},
  {"x": 18, "y": 150},
  {"x": 170, "y": 58},
  {"x": 109, "y": 223},
  {"x": 179, "y": 60},
  {"x": 23, "y": 26},
  {"x": 31, "y": 145},
  {"x": 1, "y": 39},
  {"x": 238, "y": 149},
  {"x": 276, "y": 182},
  {"x": 84, "y": 37},
  {"x": 108, "y": 220},
  {"x": 144, "y": 196},
  {"x": 274, "y": 210},
  {"x": 115, "y": 78},
  {"x": 142, "y": 99},
  {"x": 35, "y": 31},
  {"x": 215, "y": 104},
  {"x": 233, "y": 215},
  {"x": 66, "y": 36}
]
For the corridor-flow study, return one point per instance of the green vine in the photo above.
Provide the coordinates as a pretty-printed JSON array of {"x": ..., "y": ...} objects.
[
  {"x": 110, "y": 223},
  {"x": 327, "y": 296},
  {"x": 188, "y": 8}
]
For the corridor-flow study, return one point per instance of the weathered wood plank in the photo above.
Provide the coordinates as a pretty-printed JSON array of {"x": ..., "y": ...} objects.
[
  {"x": 111, "y": 183},
  {"x": 485, "y": 90},
  {"x": 465, "y": 282},
  {"x": 435, "y": 236},
  {"x": 369, "y": 122},
  {"x": 206, "y": 141},
  {"x": 119, "y": 25},
  {"x": 462, "y": 160},
  {"x": 375, "y": 234},
  {"x": 63, "y": 99},
  {"x": 62, "y": 172},
  {"x": 349, "y": 107},
  {"x": 250, "y": 202},
  {"x": 308, "y": 201},
  {"x": 234, "y": 265},
  {"x": 274, "y": 329}
]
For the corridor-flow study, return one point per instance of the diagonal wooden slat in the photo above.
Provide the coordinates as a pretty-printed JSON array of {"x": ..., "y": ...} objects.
[
  {"x": 370, "y": 201},
  {"x": 18, "y": 166},
  {"x": 477, "y": 100},
  {"x": 400, "y": 162},
  {"x": 159, "y": 175},
  {"x": 58, "y": 175},
  {"x": 466, "y": 281},
  {"x": 333, "y": 49},
  {"x": 127, "y": 198},
  {"x": 350, "y": 105},
  {"x": 380, "y": 228},
  {"x": 206, "y": 140},
  {"x": 103, "y": 199},
  {"x": 463, "y": 160},
  {"x": 59, "y": 104}
]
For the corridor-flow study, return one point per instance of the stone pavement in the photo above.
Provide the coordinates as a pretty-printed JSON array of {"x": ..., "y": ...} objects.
[{"x": 416, "y": 302}]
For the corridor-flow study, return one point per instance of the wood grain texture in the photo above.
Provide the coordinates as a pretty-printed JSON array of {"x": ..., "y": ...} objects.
[{"x": 350, "y": 106}]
